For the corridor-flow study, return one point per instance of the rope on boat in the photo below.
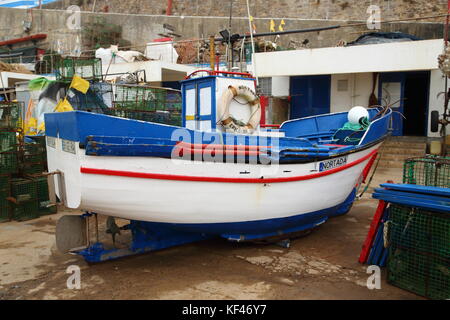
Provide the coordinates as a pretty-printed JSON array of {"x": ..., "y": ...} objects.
[{"x": 371, "y": 177}]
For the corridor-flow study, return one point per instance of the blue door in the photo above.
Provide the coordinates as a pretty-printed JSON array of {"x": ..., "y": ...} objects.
[
  {"x": 310, "y": 96},
  {"x": 391, "y": 91}
]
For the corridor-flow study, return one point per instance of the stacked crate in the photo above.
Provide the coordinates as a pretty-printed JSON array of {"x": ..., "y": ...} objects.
[
  {"x": 9, "y": 153},
  {"x": 86, "y": 68},
  {"x": 34, "y": 159},
  {"x": 147, "y": 104},
  {"x": 26, "y": 205},
  {"x": 419, "y": 254},
  {"x": 45, "y": 206},
  {"x": 5, "y": 210},
  {"x": 427, "y": 171},
  {"x": 23, "y": 189},
  {"x": 419, "y": 239}
]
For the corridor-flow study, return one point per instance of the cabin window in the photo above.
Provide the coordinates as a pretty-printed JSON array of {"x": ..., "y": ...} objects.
[{"x": 205, "y": 101}]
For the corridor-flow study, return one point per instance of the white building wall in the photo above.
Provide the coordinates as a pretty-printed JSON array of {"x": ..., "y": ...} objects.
[
  {"x": 359, "y": 89},
  {"x": 280, "y": 86},
  {"x": 153, "y": 69},
  {"x": 386, "y": 57}
]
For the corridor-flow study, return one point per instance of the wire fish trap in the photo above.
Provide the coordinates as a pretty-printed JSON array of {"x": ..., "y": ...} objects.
[
  {"x": 4, "y": 181},
  {"x": 86, "y": 68},
  {"x": 9, "y": 162},
  {"x": 24, "y": 190},
  {"x": 149, "y": 104},
  {"x": 25, "y": 210},
  {"x": 5, "y": 208},
  {"x": 419, "y": 254},
  {"x": 5, "y": 214},
  {"x": 11, "y": 114},
  {"x": 427, "y": 171},
  {"x": 8, "y": 141}
]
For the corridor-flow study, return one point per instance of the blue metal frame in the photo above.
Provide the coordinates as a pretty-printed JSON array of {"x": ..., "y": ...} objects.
[
  {"x": 146, "y": 237},
  {"x": 429, "y": 198},
  {"x": 152, "y": 236}
]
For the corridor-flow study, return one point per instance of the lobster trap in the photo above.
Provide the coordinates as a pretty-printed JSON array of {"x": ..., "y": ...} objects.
[
  {"x": 419, "y": 255},
  {"x": 11, "y": 114},
  {"x": 427, "y": 171},
  {"x": 86, "y": 68},
  {"x": 150, "y": 104}
]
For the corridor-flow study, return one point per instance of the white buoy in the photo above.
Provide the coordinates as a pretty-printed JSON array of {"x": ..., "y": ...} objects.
[{"x": 356, "y": 113}]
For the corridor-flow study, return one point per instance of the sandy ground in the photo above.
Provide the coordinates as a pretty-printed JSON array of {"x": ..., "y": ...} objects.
[{"x": 322, "y": 265}]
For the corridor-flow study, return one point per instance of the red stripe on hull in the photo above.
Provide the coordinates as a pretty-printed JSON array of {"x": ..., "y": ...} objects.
[{"x": 160, "y": 176}]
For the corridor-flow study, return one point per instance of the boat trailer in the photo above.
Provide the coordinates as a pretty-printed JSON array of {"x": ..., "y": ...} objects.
[{"x": 73, "y": 235}]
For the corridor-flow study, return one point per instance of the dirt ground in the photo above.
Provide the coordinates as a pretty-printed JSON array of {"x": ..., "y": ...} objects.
[{"x": 322, "y": 265}]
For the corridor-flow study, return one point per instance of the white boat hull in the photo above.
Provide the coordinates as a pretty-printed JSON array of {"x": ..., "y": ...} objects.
[{"x": 200, "y": 193}]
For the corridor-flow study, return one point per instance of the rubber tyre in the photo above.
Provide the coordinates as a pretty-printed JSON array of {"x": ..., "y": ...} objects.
[{"x": 434, "y": 121}]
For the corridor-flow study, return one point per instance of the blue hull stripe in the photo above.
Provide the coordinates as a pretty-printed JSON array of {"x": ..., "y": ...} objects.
[{"x": 260, "y": 228}]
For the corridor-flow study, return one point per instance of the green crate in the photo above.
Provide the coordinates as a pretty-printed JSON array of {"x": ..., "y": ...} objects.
[
  {"x": 39, "y": 140},
  {"x": 34, "y": 148},
  {"x": 34, "y": 158},
  {"x": 170, "y": 118},
  {"x": 427, "y": 171},
  {"x": 47, "y": 208},
  {"x": 9, "y": 162},
  {"x": 42, "y": 189},
  {"x": 25, "y": 211},
  {"x": 86, "y": 68},
  {"x": 4, "y": 181},
  {"x": 24, "y": 190},
  {"x": 32, "y": 168},
  {"x": 424, "y": 231},
  {"x": 8, "y": 141},
  {"x": 10, "y": 114},
  {"x": 5, "y": 210},
  {"x": 423, "y": 274}
]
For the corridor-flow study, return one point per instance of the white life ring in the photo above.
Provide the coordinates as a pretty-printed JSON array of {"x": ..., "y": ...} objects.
[{"x": 223, "y": 109}]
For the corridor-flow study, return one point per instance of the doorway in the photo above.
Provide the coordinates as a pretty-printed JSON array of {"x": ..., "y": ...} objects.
[
  {"x": 417, "y": 87},
  {"x": 407, "y": 93}
]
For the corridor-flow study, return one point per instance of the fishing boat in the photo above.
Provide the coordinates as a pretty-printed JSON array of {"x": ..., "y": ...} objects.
[{"x": 219, "y": 173}]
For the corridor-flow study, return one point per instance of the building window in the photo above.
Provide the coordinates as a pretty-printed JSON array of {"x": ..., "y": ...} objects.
[
  {"x": 265, "y": 85},
  {"x": 342, "y": 85}
]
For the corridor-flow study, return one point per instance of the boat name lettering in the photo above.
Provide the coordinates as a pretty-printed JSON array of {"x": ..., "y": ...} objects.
[{"x": 333, "y": 163}]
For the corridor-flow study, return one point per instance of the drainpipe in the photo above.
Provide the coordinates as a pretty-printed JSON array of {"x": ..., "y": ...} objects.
[{"x": 169, "y": 8}]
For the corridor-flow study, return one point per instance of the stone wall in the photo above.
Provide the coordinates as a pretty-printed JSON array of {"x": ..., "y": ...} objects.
[
  {"x": 302, "y": 9},
  {"x": 140, "y": 29}
]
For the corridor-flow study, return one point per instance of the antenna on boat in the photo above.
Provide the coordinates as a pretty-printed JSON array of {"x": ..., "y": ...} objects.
[{"x": 253, "y": 43}]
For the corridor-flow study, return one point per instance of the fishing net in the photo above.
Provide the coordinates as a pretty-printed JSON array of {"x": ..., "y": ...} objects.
[
  {"x": 427, "y": 171},
  {"x": 419, "y": 254},
  {"x": 351, "y": 133},
  {"x": 86, "y": 68},
  {"x": 158, "y": 105}
]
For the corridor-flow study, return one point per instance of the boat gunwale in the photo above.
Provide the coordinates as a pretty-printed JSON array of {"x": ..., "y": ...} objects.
[{"x": 159, "y": 176}]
